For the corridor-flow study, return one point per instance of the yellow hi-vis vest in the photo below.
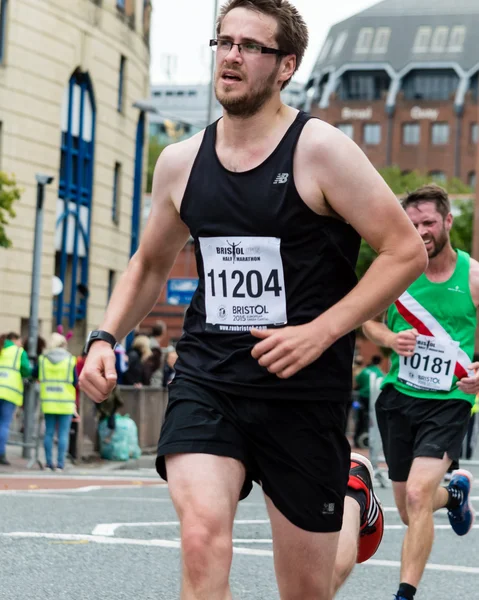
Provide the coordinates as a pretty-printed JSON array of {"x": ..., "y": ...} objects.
[
  {"x": 57, "y": 392},
  {"x": 11, "y": 380}
]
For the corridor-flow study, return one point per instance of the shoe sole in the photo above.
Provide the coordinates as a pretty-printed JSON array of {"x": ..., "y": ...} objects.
[
  {"x": 360, "y": 458},
  {"x": 470, "y": 477}
]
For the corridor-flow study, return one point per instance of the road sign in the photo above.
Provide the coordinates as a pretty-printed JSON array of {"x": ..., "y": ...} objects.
[{"x": 180, "y": 291}]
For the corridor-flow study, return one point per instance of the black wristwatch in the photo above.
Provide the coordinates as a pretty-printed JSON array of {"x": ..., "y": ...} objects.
[{"x": 95, "y": 336}]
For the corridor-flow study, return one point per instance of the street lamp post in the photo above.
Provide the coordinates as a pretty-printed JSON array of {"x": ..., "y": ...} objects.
[{"x": 29, "y": 401}]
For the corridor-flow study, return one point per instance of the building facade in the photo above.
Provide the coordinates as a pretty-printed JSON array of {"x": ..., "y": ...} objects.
[
  {"x": 182, "y": 110},
  {"x": 401, "y": 79},
  {"x": 72, "y": 81}
]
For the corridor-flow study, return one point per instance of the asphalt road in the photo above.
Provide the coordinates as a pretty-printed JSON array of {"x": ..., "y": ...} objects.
[{"x": 117, "y": 542}]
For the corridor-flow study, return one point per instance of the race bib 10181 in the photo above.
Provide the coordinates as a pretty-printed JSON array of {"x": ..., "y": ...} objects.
[
  {"x": 244, "y": 283},
  {"x": 432, "y": 365}
]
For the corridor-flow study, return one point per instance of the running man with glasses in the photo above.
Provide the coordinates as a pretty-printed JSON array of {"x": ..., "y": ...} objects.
[{"x": 276, "y": 203}]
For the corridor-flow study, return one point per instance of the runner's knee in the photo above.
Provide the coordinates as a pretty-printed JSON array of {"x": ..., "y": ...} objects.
[
  {"x": 419, "y": 496},
  {"x": 206, "y": 542}
]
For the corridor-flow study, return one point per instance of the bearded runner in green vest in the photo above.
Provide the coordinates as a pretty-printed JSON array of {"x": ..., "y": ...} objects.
[
  {"x": 14, "y": 367},
  {"x": 56, "y": 374},
  {"x": 425, "y": 404}
]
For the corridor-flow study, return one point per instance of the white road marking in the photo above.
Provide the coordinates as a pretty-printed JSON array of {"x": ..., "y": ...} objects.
[
  {"x": 116, "y": 476},
  {"x": 108, "y": 529},
  {"x": 96, "y": 539},
  {"x": 82, "y": 490}
]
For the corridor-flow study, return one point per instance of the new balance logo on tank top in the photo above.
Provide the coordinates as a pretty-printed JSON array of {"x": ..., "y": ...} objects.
[{"x": 264, "y": 259}]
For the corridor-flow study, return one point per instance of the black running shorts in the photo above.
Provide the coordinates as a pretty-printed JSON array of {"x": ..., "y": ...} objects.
[
  {"x": 297, "y": 451},
  {"x": 412, "y": 427}
]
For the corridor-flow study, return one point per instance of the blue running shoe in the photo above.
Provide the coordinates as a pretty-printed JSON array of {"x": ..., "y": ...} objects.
[{"x": 462, "y": 517}]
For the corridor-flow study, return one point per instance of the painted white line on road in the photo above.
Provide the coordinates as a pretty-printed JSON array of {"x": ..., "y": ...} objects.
[
  {"x": 68, "y": 537},
  {"x": 81, "y": 490},
  {"x": 430, "y": 567},
  {"x": 92, "y": 477},
  {"x": 108, "y": 529},
  {"x": 27, "y": 494}
]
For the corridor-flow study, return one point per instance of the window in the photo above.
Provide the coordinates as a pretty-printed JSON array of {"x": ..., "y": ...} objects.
[
  {"x": 3, "y": 28},
  {"x": 411, "y": 134},
  {"x": 115, "y": 210},
  {"x": 111, "y": 284},
  {"x": 121, "y": 83},
  {"x": 439, "y": 39},
  {"x": 471, "y": 180},
  {"x": 365, "y": 39},
  {"x": 430, "y": 85},
  {"x": 474, "y": 132},
  {"x": 356, "y": 85},
  {"x": 339, "y": 43},
  {"x": 347, "y": 129},
  {"x": 156, "y": 94},
  {"x": 192, "y": 93},
  {"x": 423, "y": 37},
  {"x": 75, "y": 193},
  {"x": 372, "y": 134},
  {"x": 438, "y": 176},
  {"x": 381, "y": 40},
  {"x": 120, "y": 4},
  {"x": 456, "y": 41},
  {"x": 325, "y": 50},
  {"x": 440, "y": 134}
]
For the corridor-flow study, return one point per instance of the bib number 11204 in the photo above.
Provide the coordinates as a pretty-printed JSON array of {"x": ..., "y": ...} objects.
[
  {"x": 241, "y": 285},
  {"x": 244, "y": 283}
]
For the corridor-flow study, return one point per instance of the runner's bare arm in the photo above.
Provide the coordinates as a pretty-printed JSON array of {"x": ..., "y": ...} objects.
[
  {"x": 474, "y": 281},
  {"x": 403, "y": 343},
  {"x": 333, "y": 176},
  {"x": 139, "y": 287},
  {"x": 165, "y": 235},
  {"x": 355, "y": 190},
  {"x": 470, "y": 385}
]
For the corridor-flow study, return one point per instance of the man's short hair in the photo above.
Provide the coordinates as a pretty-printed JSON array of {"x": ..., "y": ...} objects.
[
  {"x": 429, "y": 193},
  {"x": 292, "y": 36}
]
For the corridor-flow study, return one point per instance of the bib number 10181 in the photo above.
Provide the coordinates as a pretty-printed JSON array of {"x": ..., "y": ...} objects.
[
  {"x": 426, "y": 363},
  {"x": 237, "y": 284}
]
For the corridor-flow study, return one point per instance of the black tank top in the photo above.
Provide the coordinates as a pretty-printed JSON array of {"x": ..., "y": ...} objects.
[{"x": 264, "y": 259}]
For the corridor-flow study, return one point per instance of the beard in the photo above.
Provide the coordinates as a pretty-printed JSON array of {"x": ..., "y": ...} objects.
[
  {"x": 438, "y": 244},
  {"x": 249, "y": 103}
]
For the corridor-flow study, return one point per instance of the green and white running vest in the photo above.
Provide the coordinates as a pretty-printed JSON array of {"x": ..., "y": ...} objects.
[{"x": 445, "y": 317}]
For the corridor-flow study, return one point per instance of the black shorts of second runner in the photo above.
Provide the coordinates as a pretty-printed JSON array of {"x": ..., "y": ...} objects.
[
  {"x": 297, "y": 451},
  {"x": 413, "y": 427}
]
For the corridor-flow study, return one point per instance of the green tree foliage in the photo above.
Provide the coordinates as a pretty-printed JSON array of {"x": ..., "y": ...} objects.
[
  {"x": 154, "y": 151},
  {"x": 461, "y": 233},
  {"x": 401, "y": 183},
  {"x": 9, "y": 193},
  {"x": 462, "y": 228}
]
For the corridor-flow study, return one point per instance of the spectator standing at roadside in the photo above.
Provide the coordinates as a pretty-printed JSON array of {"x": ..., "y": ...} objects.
[
  {"x": 137, "y": 355},
  {"x": 57, "y": 377},
  {"x": 14, "y": 367}
]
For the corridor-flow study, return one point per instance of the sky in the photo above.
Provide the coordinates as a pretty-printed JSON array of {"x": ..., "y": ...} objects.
[{"x": 181, "y": 30}]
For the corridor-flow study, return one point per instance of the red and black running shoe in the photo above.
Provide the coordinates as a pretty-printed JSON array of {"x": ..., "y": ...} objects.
[{"x": 372, "y": 520}]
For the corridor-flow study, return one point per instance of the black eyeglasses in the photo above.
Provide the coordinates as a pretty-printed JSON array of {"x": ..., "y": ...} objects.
[{"x": 224, "y": 47}]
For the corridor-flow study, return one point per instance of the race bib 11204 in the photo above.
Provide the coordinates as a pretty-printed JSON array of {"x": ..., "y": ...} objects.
[{"x": 244, "y": 283}]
